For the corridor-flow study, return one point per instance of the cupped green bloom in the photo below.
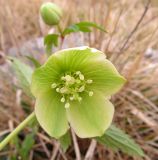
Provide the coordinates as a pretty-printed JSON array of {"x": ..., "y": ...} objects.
[
  {"x": 72, "y": 89},
  {"x": 51, "y": 13}
]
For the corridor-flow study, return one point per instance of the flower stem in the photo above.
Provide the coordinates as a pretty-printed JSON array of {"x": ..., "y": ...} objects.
[
  {"x": 61, "y": 36},
  {"x": 59, "y": 29},
  {"x": 17, "y": 130}
]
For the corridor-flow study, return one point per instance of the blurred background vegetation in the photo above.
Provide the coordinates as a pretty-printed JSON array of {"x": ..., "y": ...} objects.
[{"x": 131, "y": 44}]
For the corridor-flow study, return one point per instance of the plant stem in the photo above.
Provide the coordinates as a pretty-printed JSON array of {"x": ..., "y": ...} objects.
[
  {"x": 17, "y": 130},
  {"x": 61, "y": 36},
  {"x": 59, "y": 29}
]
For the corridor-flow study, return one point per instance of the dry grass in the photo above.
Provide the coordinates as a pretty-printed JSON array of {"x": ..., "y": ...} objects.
[{"x": 132, "y": 29}]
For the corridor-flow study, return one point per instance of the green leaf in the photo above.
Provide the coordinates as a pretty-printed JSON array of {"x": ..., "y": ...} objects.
[
  {"x": 65, "y": 141},
  {"x": 82, "y": 27},
  {"x": 91, "y": 24},
  {"x": 34, "y": 61},
  {"x": 23, "y": 73},
  {"x": 116, "y": 139},
  {"x": 49, "y": 41},
  {"x": 27, "y": 146}
]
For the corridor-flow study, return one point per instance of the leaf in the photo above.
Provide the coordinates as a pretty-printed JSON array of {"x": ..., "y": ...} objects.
[
  {"x": 116, "y": 139},
  {"x": 91, "y": 24},
  {"x": 27, "y": 146},
  {"x": 34, "y": 61},
  {"x": 65, "y": 141},
  {"x": 23, "y": 73},
  {"x": 49, "y": 41},
  {"x": 83, "y": 27}
]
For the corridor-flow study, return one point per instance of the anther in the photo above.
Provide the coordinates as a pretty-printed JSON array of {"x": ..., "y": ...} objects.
[
  {"x": 79, "y": 99},
  {"x": 63, "y": 90},
  {"x": 54, "y": 85},
  {"x": 67, "y": 105},
  {"x": 62, "y": 99},
  {"x": 71, "y": 98},
  {"x": 57, "y": 89},
  {"x": 81, "y": 76},
  {"x": 68, "y": 78},
  {"x": 78, "y": 81},
  {"x": 62, "y": 78},
  {"x": 78, "y": 72},
  {"x": 89, "y": 81},
  {"x": 81, "y": 89},
  {"x": 90, "y": 93}
]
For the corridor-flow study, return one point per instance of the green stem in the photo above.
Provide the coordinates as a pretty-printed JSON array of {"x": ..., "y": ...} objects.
[
  {"x": 17, "y": 130},
  {"x": 59, "y": 29},
  {"x": 61, "y": 36}
]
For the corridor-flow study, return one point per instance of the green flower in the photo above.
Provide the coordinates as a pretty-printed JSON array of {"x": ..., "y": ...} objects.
[
  {"x": 73, "y": 87},
  {"x": 51, "y": 13}
]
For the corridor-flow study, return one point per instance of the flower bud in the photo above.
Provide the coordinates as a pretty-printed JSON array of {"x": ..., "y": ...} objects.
[{"x": 51, "y": 13}]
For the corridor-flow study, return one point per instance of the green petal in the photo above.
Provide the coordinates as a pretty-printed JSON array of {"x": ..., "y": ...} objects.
[
  {"x": 91, "y": 117},
  {"x": 51, "y": 114},
  {"x": 105, "y": 77},
  {"x": 74, "y": 59},
  {"x": 44, "y": 76}
]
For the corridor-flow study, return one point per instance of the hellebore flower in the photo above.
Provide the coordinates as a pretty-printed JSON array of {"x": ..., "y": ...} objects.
[
  {"x": 73, "y": 87},
  {"x": 51, "y": 13}
]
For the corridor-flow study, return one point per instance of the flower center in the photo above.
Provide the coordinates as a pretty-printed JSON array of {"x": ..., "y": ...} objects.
[{"x": 71, "y": 86}]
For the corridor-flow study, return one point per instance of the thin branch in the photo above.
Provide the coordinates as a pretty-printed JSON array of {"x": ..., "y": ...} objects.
[
  {"x": 136, "y": 26},
  {"x": 76, "y": 147},
  {"x": 55, "y": 150},
  {"x": 90, "y": 152}
]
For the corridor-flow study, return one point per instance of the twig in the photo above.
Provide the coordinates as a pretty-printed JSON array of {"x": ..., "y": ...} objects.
[
  {"x": 136, "y": 26},
  {"x": 91, "y": 149},
  {"x": 76, "y": 147},
  {"x": 62, "y": 154},
  {"x": 55, "y": 150},
  {"x": 45, "y": 148},
  {"x": 114, "y": 31}
]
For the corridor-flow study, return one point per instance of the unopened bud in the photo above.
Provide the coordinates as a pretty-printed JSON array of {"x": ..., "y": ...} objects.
[{"x": 51, "y": 13}]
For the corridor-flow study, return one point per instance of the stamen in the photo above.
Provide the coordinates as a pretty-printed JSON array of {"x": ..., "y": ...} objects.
[
  {"x": 63, "y": 90},
  {"x": 62, "y": 99},
  {"x": 62, "y": 78},
  {"x": 78, "y": 72},
  {"x": 71, "y": 98},
  {"x": 79, "y": 99},
  {"x": 89, "y": 81},
  {"x": 54, "y": 85},
  {"x": 67, "y": 105},
  {"x": 78, "y": 81},
  {"x": 81, "y": 89},
  {"x": 90, "y": 93},
  {"x": 68, "y": 78},
  {"x": 57, "y": 89},
  {"x": 81, "y": 76}
]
